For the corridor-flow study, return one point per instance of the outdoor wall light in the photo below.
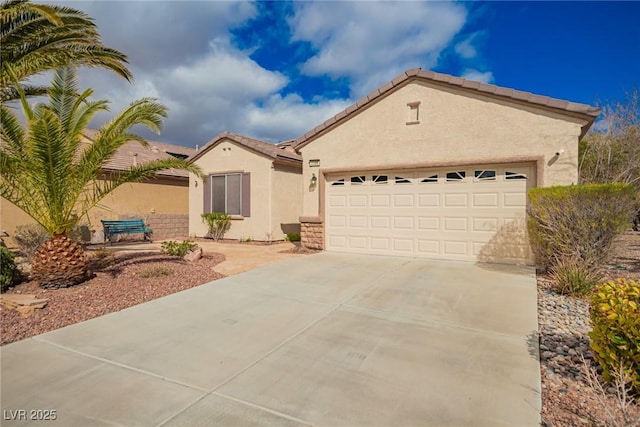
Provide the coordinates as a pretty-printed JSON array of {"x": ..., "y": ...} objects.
[
  {"x": 559, "y": 152},
  {"x": 314, "y": 180}
]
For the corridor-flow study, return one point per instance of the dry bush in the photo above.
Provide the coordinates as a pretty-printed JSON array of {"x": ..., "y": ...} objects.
[
  {"x": 612, "y": 153},
  {"x": 578, "y": 222},
  {"x": 619, "y": 414}
]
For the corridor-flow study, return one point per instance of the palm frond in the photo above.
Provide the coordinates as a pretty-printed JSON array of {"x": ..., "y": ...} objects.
[
  {"x": 11, "y": 130},
  {"x": 10, "y": 92},
  {"x": 45, "y": 169},
  {"x": 36, "y": 38}
]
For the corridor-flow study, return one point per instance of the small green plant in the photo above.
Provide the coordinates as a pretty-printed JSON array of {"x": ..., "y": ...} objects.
[
  {"x": 8, "y": 269},
  {"x": 293, "y": 237},
  {"x": 572, "y": 278},
  {"x": 174, "y": 248},
  {"x": 102, "y": 252},
  {"x": 103, "y": 258},
  {"x": 29, "y": 237},
  {"x": 155, "y": 272},
  {"x": 615, "y": 338},
  {"x": 217, "y": 223}
]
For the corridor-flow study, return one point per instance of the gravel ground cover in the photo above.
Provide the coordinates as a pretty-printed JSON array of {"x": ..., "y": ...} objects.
[
  {"x": 121, "y": 280},
  {"x": 567, "y": 399}
]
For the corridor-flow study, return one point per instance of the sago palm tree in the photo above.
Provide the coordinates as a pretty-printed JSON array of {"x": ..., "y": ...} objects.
[
  {"x": 37, "y": 37},
  {"x": 48, "y": 171}
]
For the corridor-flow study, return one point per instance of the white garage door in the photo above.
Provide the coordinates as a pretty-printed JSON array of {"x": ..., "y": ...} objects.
[{"x": 472, "y": 213}]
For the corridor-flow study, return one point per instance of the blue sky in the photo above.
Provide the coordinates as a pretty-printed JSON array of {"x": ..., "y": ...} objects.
[{"x": 273, "y": 70}]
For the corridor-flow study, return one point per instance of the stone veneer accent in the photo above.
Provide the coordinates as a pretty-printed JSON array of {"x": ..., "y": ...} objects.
[
  {"x": 311, "y": 233},
  {"x": 164, "y": 226}
]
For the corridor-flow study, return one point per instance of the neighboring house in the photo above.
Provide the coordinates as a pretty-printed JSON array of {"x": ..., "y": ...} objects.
[
  {"x": 163, "y": 202},
  {"x": 257, "y": 183},
  {"x": 436, "y": 166}
]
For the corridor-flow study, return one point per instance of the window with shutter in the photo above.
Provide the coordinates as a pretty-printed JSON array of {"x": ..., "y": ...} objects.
[{"x": 228, "y": 193}]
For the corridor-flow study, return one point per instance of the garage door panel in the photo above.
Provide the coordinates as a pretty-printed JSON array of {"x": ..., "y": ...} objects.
[
  {"x": 357, "y": 242},
  {"x": 485, "y": 200},
  {"x": 455, "y": 224},
  {"x": 356, "y": 201},
  {"x": 429, "y": 200},
  {"x": 337, "y": 242},
  {"x": 337, "y": 221},
  {"x": 403, "y": 222},
  {"x": 337, "y": 201},
  {"x": 428, "y": 247},
  {"x": 381, "y": 200},
  {"x": 455, "y": 248},
  {"x": 428, "y": 223},
  {"x": 455, "y": 200},
  {"x": 478, "y": 213},
  {"x": 403, "y": 245},
  {"x": 515, "y": 199},
  {"x": 403, "y": 200},
  {"x": 380, "y": 243},
  {"x": 381, "y": 222},
  {"x": 358, "y": 221},
  {"x": 485, "y": 224}
]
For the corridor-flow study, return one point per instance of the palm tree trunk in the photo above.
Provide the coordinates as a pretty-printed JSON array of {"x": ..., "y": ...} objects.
[{"x": 59, "y": 263}]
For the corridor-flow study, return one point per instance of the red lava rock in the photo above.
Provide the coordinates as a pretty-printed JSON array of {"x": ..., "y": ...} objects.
[{"x": 117, "y": 285}]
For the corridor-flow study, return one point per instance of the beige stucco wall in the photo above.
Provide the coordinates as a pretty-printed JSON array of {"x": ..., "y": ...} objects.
[
  {"x": 286, "y": 201},
  {"x": 453, "y": 126},
  {"x": 228, "y": 157},
  {"x": 158, "y": 196}
]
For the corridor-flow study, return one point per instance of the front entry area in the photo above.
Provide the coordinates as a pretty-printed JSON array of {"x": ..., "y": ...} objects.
[{"x": 471, "y": 213}]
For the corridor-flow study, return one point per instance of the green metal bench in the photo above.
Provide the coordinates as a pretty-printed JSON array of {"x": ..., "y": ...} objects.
[{"x": 125, "y": 226}]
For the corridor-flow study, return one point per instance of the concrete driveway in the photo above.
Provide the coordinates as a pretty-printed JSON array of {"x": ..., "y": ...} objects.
[{"x": 326, "y": 340}]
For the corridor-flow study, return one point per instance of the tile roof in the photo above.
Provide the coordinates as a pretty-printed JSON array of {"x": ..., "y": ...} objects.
[
  {"x": 277, "y": 152},
  {"x": 132, "y": 152},
  {"x": 124, "y": 157},
  {"x": 584, "y": 111}
]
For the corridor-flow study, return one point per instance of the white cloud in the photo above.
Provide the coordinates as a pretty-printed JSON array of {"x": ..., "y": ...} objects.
[
  {"x": 290, "y": 115},
  {"x": 225, "y": 72},
  {"x": 466, "y": 49},
  {"x": 371, "y": 42},
  {"x": 478, "y": 76},
  {"x": 156, "y": 34},
  {"x": 184, "y": 54},
  {"x": 223, "y": 90}
]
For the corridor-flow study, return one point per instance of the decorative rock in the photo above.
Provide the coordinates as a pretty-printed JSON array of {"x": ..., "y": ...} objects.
[
  {"x": 24, "y": 304},
  {"x": 98, "y": 237},
  {"x": 193, "y": 255},
  {"x": 547, "y": 355}
]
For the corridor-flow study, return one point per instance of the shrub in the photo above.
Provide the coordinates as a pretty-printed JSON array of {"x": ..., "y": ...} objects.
[
  {"x": 572, "y": 278},
  {"x": 103, "y": 258},
  {"x": 29, "y": 238},
  {"x": 293, "y": 237},
  {"x": 217, "y": 224},
  {"x": 155, "y": 272},
  {"x": 615, "y": 338},
  {"x": 578, "y": 221},
  {"x": 177, "y": 249},
  {"x": 8, "y": 269}
]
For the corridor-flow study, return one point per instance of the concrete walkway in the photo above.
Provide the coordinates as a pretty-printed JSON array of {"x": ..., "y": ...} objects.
[
  {"x": 239, "y": 257},
  {"x": 326, "y": 340}
]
